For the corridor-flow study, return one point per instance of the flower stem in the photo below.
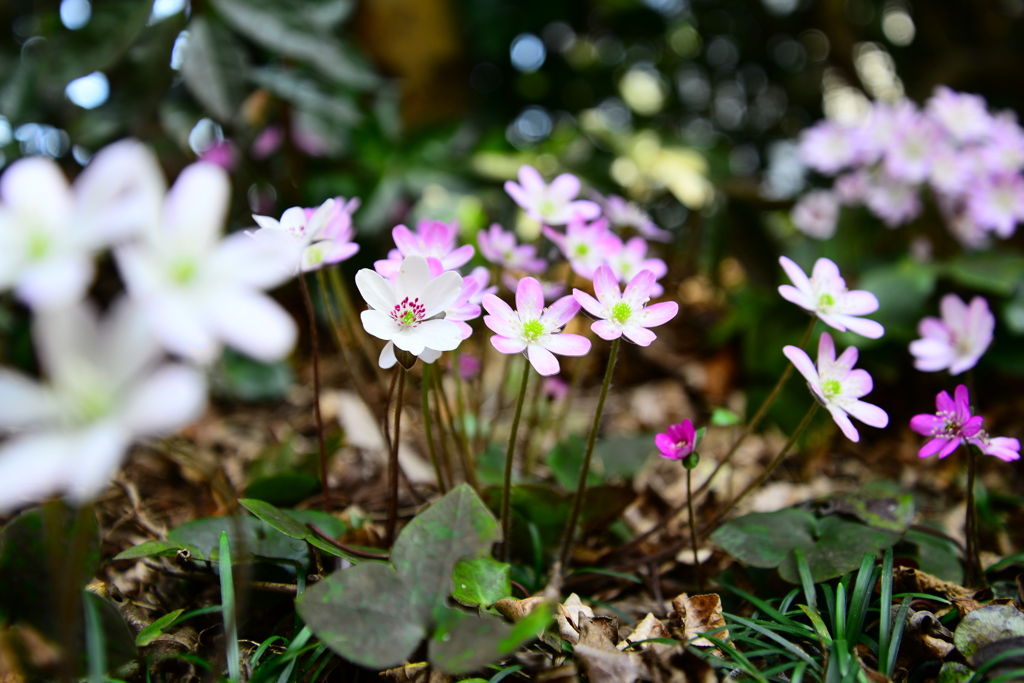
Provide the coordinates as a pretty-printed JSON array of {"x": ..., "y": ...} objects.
[
  {"x": 581, "y": 486},
  {"x": 574, "y": 388},
  {"x": 428, "y": 430},
  {"x": 759, "y": 415},
  {"x": 389, "y": 533},
  {"x": 720, "y": 517},
  {"x": 460, "y": 409},
  {"x": 530, "y": 454},
  {"x": 506, "y": 484},
  {"x": 458, "y": 436},
  {"x": 693, "y": 529},
  {"x": 316, "y": 393},
  {"x": 975, "y": 576},
  {"x": 348, "y": 315}
]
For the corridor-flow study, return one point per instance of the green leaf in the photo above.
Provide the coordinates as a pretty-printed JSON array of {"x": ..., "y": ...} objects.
[
  {"x": 376, "y": 615},
  {"x": 954, "y": 672},
  {"x": 901, "y": 289},
  {"x": 307, "y": 95},
  {"x": 275, "y": 518},
  {"x": 935, "y": 555},
  {"x": 250, "y": 537},
  {"x": 278, "y": 26},
  {"x": 622, "y": 456},
  {"x": 157, "y": 628},
  {"x": 891, "y": 513},
  {"x": 839, "y": 548},
  {"x": 566, "y": 461},
  {"x": 466, "y": 642},
  {"x": 481, "y": 581},
  {"x": 214, "y": 67},
  {"x": 766, "y": 539},
  {"x": 987, "y": 625},
  {"x": 245, "y": 379},
  {"x": 997, "y": 271},
  {"x": 723, "y": 417},
  {"x": 284, "y": 490},
  {"x": 158, "y": 549}
]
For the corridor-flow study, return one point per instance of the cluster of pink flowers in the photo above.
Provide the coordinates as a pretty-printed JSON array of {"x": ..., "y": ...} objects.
[
  {"x": 953, "y": 424},
  {"x": 969, "y": 158}
]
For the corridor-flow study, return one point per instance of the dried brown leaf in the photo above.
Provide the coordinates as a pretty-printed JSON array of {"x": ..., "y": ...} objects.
[
  {"x": 514, "y": 609},
  {"x": 567, "y": 617},
  {"x": 698, "y": 614}
]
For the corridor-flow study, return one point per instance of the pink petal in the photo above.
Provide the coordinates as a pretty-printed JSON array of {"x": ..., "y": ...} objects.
[
  {"x": 531, "y": 180},
  {"x": 658, "y": 314},
  {"x": 606, "y": 286},
  {"x": 827, "y": 349},
  {"x": 844, "y": 423},
  {"x": 862, "y": 326},
  {"x": 962, "y": 403},
  {"x": 560, "y": 312},
  {"x": 797, "y": 277},
  {"x": 499, "y": 308},
  {"x": 859, "y": 302},
  {"x": 503, "y": 327},
  {"x": 564, "y": 188},
  {"x": 529, "y": 298},
  {"x": 639, "y": 335},
  {"x": 459, "y": 257},
  {"x": 568, "y": 344},
  {"x": 934, "y": 446},
  {"x": 869, "y": 414},
  {"x": 405, "y": 240},
  {"x": 518, "y": 194},
  {"x": 507, "y": 344},
  {"x": 666, "y": 445},
  {"x": 639, "y": 288},
  {"x": 803, "y": 364},
  {"x": 857, "y": 383},
  {"x": 606, "y": 330},
  {"x": 933, "y": 328},
  {"x": 542, "y": 360},
  {"x": 589, "y": 303},
  {"x": 794, "y": 295},
  {"x": 927, "y": 424},
  {"x": 825, "y": 270},
  {"x": 954, "y": 312},
  {"x": 948, "y": 447},
  {"x": 584, "y": 209},
  {"x": 944, "y": 403}
]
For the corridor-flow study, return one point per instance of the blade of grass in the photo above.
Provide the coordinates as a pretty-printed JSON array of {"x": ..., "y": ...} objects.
[
  {"x": 860, "y": 598},
  {"x": 798, "y": 673},
  {"x": 840, "y": 624},
  {"x": 788, "y": 601},
  {"x": 795, "y": 650},
  {"x": 227, "y": 600},
  {"x": 885, "y": 608},
  {"x": 739, "y": 658},
  {"x": 820, "y": 628},
  {"x": 764, "y": 606},
  {"x": 507, "y": 671},
  {"x": 254, "y": 660},
  {"x": 830, "y": 603},
  {"x": 897, "y": 636},
  {"x": 95, "y": 645},
  {"x": 804, "y": 569}
]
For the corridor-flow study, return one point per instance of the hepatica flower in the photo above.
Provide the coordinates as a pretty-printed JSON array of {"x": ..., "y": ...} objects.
[
  {"x": 625, "y": 313},
  {"x": 956, "y": 341},
  {"x": 678, "y": 441},
  {"x": 837, "y": 386},
  {"x": 585, "y": 246},
  {"x": 404, "y": 311},
  {"x": 49, "y": 230},
  {"x": 433, "y": 240},
  {"x": 553, "y": 204},
  {"x": 534, "y": 329},
  {"x": 624, "y": 214},
  {"x": 317, "y": 237},
  {"x": 953, "y": 424},
  {"x": 200, "y": 291},
  {"x": 106, "y": 387},
  {"x": 631, "y": 258},
  {"x": 501, "y": 248},
  {"x": 825, "y": 295}
]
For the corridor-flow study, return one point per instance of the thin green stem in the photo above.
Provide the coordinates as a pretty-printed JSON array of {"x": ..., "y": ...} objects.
[
  {"x": 531, "y": 428},
  {"x": 574, "y": 389},
  {"x": 974, "y": 574},
  {"x": 759, "y": 415},
  {"x": 506, "y": 484},
  {"x": 389, "y": 532},
  {"x": 764, "y": 475},
  {"x": 460, "y": 410},
  {"x": 458, "y": 437},
  {"x": 428, "y": 429},
  {"x": 581, "y": 486},
  {"x": 693, "y": 529},
  {"x": 348, "y": 316},
  {"x": 321, "y": 444}
]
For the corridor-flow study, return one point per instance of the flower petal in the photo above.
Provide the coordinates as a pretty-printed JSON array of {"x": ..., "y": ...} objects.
[
  {"x": 658, "y": 314},
  {"x": 589, "y": 303},
  {"x": 862, "y": 326},
  {"x": 529, "y": 298},
  {"x": 859, "y": 302},
  {"x": 171, "y": 398},
  {"x": 607, "y": 331},
  {"x": 803, "y": 363},
  {"x": 253, "y": 323},
  {"x": 867, "y": 413},
  {"x": 440, "y": 293},
  {"x": 606, "y": 286},
  {"x": 542, "y": 360},
  {"x": 798, "y": 278},
  {"x": 639, "y": 335},
  {"x": 560, "y": 312},
  {"x": 387, "y": 358},
  {"x": 197, "y": 205},
  {"x": 25, "y": 402},
  {"x": 844, "y": 423},
  {"x": 567, "y": 344},
  {"x": 379, "y": 324}
]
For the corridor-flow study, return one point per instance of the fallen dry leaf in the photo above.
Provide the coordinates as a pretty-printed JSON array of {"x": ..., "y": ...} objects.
[
  {"x": 596, "y": 651},
  {"x": 568, "y": 618},
  {"x": 650, "y": 627},
  {"x": 514, "y": 609},
  {"x": 698, "y": 614}
]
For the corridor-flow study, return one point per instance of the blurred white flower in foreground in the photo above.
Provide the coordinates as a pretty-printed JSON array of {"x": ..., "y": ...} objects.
[
  {"x": 49, "y": 230},
  {"x": 106, "y": 388},
  {"x": 200, "y": 291}
]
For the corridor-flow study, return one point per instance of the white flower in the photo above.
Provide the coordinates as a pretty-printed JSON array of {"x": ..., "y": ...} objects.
[
  {"x": 958, "y": 340},
  {"x": 106, "y": 388},
  {"x": 50, "y": 230},
  {"x": 837, "y": 386},
  {"x": 817, "y": 214},
  {"x": 403, "y": 311},
  {"x": 200, "y": 291},
  {"x": 308, "y": 234},
  {"x": 826, "y": 296}
]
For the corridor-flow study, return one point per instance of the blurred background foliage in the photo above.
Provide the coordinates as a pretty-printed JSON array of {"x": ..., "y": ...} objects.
[{"x": 422, "y": 107}]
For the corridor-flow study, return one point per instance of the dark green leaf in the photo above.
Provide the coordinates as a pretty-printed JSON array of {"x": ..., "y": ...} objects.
[
  {"x": 246, "y": 379},
  {"x": 467, "y": 642},
  {"x": 157, "y": 628},
  {"x": 287, "y": 525},
  {"x": 249, "y": 537},
  {"x": 987, "y": 625},
  {"x": 284, "y": 490},
  {"x": 841, "y": 543},
  {"x": 997, "y": 271},
  {"x": 566, "y": 461},
  {"x": 158, "y": 549},
  {"x": 766, "y": 539}
]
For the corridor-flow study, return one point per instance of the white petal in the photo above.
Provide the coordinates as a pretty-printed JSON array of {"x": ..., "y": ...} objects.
[
  {"x": 254, "y": 324},
  {"x": 803, "y": 363},
  {"x": 413, "y": 276},
  {"x": 25, "y": 402},
  {"x": 797, "y": 277},
  {"x": 867, "y": 413},
  {"x": 65, "y": 339},
  {"x": 844, "y": 423},
  {"x": 171, "y": 398},
  {"x": 263, "y": 259},
  {"x": 99, "y": 451},
  {"x": 56, "y": 282},
  {"x": 197, "y": 205},
  {"x": 379, "y": 324},
  {"x": 36, "y": 186},
  {"x": 127, "y": 344},
  {"x": 387, "y": 358},
  {"x": 376, "y": 290},
  {"x": 33, "y": 467},
  {"x": 182, "y": 329},
  {"x": 441, "y": 293}
]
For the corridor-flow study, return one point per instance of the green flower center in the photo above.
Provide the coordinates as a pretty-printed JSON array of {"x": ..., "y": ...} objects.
[
  {"x": 184, "y": 271},
  {"x": 93, "y": 404},
  {"x": 621, "y": 312},
  {"x": 832, "y": 388},
  {"x": 547, "y": 207},
  {"x": 532, "y": 329},
  {"x": 582, "y": 249},
  {"x": 826, "y": 300},
  {"x": 38, "y": 245}
]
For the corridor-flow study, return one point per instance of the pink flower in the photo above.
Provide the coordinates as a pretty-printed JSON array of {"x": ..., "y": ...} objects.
[
  {"x": 951, "y": 424},
  {"x": 554, "y": 389},
  {"x": 837, "y": 386},
  {"x": 908, "y": 157},
  {"x": 534, "y": 329},
  {"x": 825, "y": 295},
  {"x": 678, "y": 441},
  {"x": 625, "y": 313},
  {"x": 501, "y": 248},
  {"x": 624, "y": 214},
  {"x": 964, "y": 116},
  {"x": 267, "y": 142},
  {"x": 585, "y": 246},
  {"x": 551, "y": 204},
  {"x": 894, "y": 202},
  {"x": 223, "y": 153},
  {"x": 817, "y": 214},
  {"x": 1002, "y": 447},
  {"x": 316, "y": 237},
  {"x": 433, "y": 240},
  {"x": 631, "y": 258},
  {"x": 468, "y": 366},
  {"x": 997, "y": 203},
  {"x": 552, "y": 290},
  {"x": 828, "y": 147},
  {"x": 958, "y": 340}
]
